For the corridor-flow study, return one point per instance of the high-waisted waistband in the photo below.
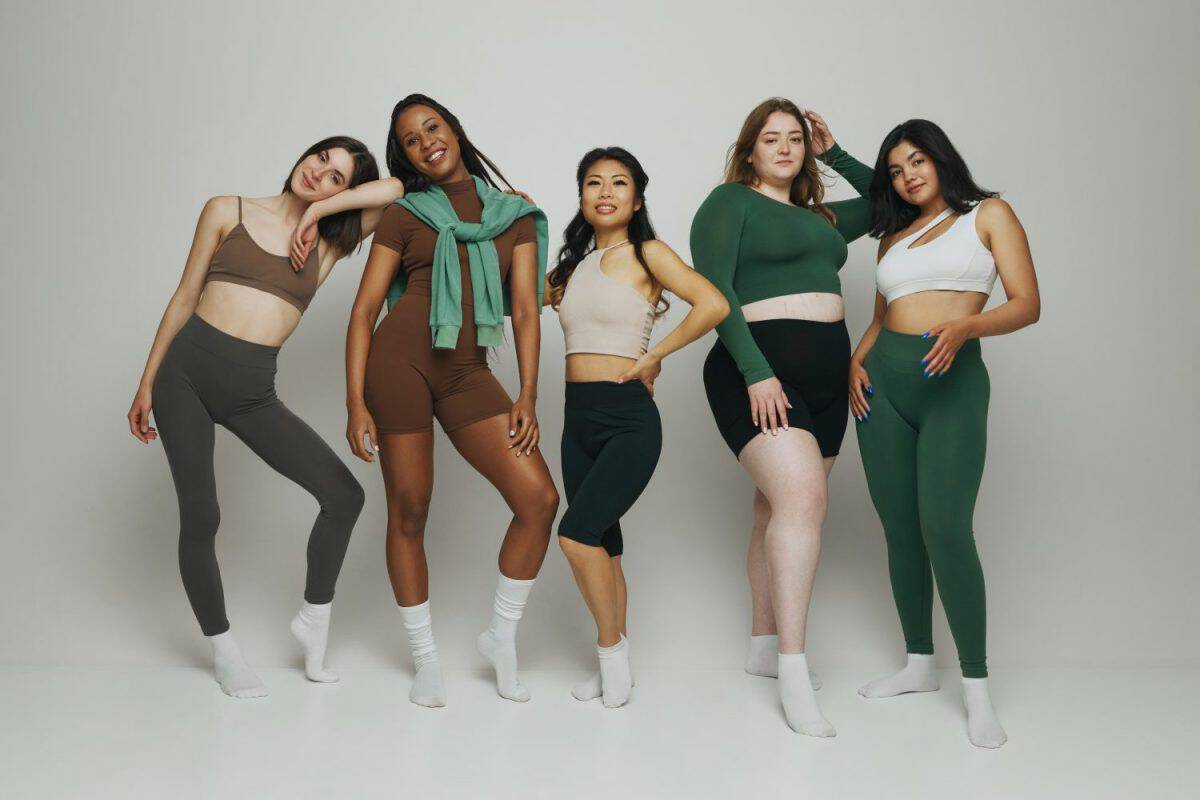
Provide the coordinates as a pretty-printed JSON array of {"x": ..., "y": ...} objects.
[
  {"x": 911, "y": 347},
  {"x": 586, "y": 394},
  {"x": 201, "y": 334}
]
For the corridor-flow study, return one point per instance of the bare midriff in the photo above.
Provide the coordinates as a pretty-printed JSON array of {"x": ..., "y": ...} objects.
[
  {"x": 583, "y": 367},
  {"x": 917, "y": 313},
  {"x": 247, "y": 313},
  {"x": 812, "y": 306}
]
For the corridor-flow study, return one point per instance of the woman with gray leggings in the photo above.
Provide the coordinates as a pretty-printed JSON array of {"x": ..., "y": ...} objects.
[{"x": 254, "y": 266}]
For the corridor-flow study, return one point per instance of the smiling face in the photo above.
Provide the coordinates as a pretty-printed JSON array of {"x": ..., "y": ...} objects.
[
  {"x": 322, "y": 174},
  {"x": 429, "y": 143},
  {"x": 778, "y": 153},
  {"x": 913, "y": 174},
  {"x": 608, "y": 197}
]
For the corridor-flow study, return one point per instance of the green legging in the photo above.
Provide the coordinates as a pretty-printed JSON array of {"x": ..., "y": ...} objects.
[{"x": 923, "y": 449}]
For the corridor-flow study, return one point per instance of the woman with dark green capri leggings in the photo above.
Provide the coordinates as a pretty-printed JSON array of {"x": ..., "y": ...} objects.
[
  {"x": 919, "y": 390},
  {"x": 254, "y": 266},
  {"x": 607, "y": 287}
]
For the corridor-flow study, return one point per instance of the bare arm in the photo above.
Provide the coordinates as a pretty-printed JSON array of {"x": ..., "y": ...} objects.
[
  {"x": 708, "y": 308},
  {"x": 216, "y": 217},
  {"x": 382, "y": 263},
  {"x": 1003, "y": 234},
  {"x": 372, "y": 198},
  {"x": 527, "y": 328}
]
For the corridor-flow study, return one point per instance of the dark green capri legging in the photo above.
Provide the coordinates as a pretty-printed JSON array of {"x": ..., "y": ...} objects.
[
  {"x": 612, "y": 437},
  {"x": 923, "y": 451}
]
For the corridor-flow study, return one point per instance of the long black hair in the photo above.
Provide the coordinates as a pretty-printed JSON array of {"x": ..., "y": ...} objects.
[
  {"x": 343, "y": 231},
  {"x": 400, "y": 167},
  {"x": 889, "y": 211},
  {"x": 578, "y": 238}
]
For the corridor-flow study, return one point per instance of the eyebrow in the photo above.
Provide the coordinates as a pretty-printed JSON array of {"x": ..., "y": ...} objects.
[
  {"x": 916, "y": 152},
  {"x": 793, "y": 130},
  {"x": 614, "y": 175},
  {"x": 408, "y": 133}
]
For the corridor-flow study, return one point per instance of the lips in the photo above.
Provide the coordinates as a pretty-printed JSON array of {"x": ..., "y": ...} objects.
[
  {"x": 436, "y": 156},
  {"x": 307, "y": 183},
  {"x": 605, "y": 208},
  {"x": 915, "y": 189}
]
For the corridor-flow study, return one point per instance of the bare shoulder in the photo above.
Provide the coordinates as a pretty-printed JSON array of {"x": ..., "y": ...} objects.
[
  {"x": 994, "y": 210},
  {"x": 659, "y": 251},
  {"x": 219, "y": 213}
]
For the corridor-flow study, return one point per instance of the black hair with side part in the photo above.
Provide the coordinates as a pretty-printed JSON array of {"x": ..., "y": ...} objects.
[{"x": 890, "y": 212}]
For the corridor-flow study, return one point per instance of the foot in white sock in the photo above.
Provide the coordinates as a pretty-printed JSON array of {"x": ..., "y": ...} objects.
[
  {"x": 590, "y": 688},
  {"x": 310, "y": 626},
  {"x": 763, "y": 659},
  {"x": 983, "y": 727},
  {"x": 427, "y": 689},
  {"x": 232, "y": 671},
  {"x": 616, "y": 681},
  {"x": 918, "y": 675},
  {"x": 498, "y": 644},
  {"x": 799, "y": 702}
]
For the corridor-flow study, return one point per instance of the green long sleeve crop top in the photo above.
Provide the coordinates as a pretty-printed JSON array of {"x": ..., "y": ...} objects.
[{"x": 752, "y": 248}]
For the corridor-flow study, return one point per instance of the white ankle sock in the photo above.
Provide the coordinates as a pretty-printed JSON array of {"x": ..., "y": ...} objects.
[
  {"x": 762, "y": 659},
  {"x": 983, "y": 727},
  {"x": 498, "y": 643},
  {"x": 232, "y": 671},
  {"x": 799, "y": 702},
  {"x": 310, "y": 626},
  {"x": 616, "y": 681},
  {"x": 427, "y": 689},
  {"x": 918, "y": 675},
  {"x": 591, "y": 687}
]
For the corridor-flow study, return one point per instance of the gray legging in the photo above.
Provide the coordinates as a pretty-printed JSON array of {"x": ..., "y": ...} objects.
[{"x": 211, "y": 377}]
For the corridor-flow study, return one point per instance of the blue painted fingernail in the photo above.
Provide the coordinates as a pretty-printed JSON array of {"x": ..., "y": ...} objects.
[
  {"x": 923, "y": 360},
  {"x": 925, "y": 335}
]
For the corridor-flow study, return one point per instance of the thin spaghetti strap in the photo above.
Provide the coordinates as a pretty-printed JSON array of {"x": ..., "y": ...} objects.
[{"x": 239, "y": 209}]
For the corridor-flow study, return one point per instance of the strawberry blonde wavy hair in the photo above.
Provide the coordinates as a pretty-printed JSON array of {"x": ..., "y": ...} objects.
[{"x": 807, "y": 189}]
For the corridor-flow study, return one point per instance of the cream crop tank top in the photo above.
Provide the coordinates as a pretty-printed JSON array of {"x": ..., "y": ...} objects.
[
  {"x": 956, "y": 260},
  {"x": 601, "y": 315}
]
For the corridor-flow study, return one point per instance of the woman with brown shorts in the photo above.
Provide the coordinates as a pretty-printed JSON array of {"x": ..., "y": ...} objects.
[{"x": 428, "y": 358}]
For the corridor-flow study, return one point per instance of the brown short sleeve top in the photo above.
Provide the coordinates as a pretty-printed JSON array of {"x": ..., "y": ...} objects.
[{"x": 400, "y": 230}]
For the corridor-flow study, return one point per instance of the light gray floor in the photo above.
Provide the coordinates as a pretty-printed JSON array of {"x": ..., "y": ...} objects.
[{"x": 168, "y": 732}]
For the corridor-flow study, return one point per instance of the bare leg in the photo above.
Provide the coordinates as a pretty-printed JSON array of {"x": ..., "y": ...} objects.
[
  {"x": 524, "y": 483},
  {"x": 597, "y": 583},
  {"x": 791, "y": 474},
  {"x": 592, "y": 687},
  {"x": 407, "y": 463},
  {"x": 526, "y": 487}
]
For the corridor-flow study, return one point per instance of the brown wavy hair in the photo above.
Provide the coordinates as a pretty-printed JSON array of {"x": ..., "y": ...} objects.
[{"x": 807, "y": 189}]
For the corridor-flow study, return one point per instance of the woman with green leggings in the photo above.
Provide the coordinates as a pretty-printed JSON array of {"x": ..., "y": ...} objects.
[{"x": 919, "y": 390}]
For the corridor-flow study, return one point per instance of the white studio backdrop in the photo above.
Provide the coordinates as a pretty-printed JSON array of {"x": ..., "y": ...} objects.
[{"x": 120, "y": 120}]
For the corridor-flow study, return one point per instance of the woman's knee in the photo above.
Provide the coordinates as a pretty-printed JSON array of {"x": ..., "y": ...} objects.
[
  {"x": 407, "y": 515},
  {"x": 198, "y": 521},
  {"x": 576, "y": 550},
  {"x": 538, "y": 504},
  {"x": 343, "y": 498},
  {"x": 803, "y": 504}
]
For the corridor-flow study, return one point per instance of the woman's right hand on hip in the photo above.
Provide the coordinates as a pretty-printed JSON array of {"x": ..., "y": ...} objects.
[
  {"x": 769, "y": 405},
  {"x": 139, "y": 417},
  {"x": 360, "y": 432}
]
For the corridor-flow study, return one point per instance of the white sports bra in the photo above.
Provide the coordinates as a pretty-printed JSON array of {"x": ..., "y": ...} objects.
[
  {"x": 600, "y": 314},
  {"x": 956, "y": 260}
]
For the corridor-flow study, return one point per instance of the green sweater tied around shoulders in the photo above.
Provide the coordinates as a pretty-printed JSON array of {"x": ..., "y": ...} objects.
[{"x": 491, "y": 297}]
